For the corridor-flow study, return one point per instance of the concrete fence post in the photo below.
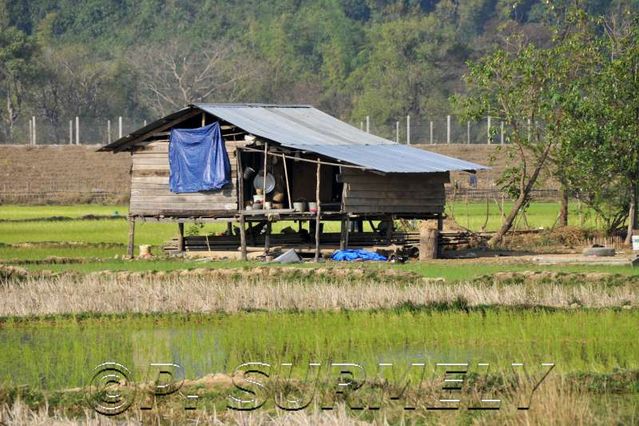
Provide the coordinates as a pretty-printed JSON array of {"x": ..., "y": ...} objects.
[
  {"x": 397, "y": 131},
  {"x": 488, "y": 130},
  {"x": 431, "y": 132},
  {"x": 448, "y": 129},
  {"x": 70, "y": 132},
  {"x": 468, "y": 132},
  {"x": 502, "y": 133},
  {"x": 408, "y": 129},
  {"x": 77, "y": 130},
  {"x": 34, "y": 131},
  {"x": 109, "y": 131},
  {"x": 119, "y": 127}
]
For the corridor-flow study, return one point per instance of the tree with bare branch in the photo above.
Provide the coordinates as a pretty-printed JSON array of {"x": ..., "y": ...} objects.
[{"x": 177, "y": 73}]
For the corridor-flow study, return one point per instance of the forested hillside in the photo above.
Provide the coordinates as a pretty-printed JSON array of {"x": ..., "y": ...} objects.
[{"x": 144, "y": 58}]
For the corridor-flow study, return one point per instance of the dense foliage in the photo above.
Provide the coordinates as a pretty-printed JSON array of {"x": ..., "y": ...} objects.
[
  {"x": 570, "y": 107},
  {"x": 383, "y": 58}
]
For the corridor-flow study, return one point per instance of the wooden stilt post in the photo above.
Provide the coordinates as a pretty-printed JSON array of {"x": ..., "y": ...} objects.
[
  {"x": 267, "y": 239},
  {"x": 440, "y": 228},
  {"x": 317, "y": 213},
  {"x": 243, "y": 237},
  {"x": 181, "y": 237},
  {"x": 265, "y": 167},
  {"x": 131, "y": 237},
  {"x": 428, "y": 242},
  {"x": 389, "y": 229},
  {"x": 240, "y": 180},
  {"x": 343, "y": 239}
]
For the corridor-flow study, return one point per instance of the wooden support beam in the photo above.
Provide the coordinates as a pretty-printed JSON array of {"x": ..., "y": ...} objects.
[
  {"x": 390, "y": 225},
  {"x": 317, "y": 213},
  {"x": 265, "y": 167},
  {"x": 343, "y": 239},
  {"x": 162, "y": 128},
  {"x": 267, "y": 239},
  {"x": 181, "y": 237},
  {"x": 240, "y": 180},
  {"x": 131, "y": 247},
  {"x": 243, "y": 237},
  {"x": 288, "y": 187}
]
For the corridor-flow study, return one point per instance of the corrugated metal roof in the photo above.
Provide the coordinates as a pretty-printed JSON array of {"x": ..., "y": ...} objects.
[
  {"x": 308, "y": 129},
  {"x": 392, "y": 158},
  {"x": 293, "y": 126}
]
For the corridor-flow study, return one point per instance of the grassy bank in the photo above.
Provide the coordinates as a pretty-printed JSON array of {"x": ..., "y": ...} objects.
[{"x": 450, "y": 270}]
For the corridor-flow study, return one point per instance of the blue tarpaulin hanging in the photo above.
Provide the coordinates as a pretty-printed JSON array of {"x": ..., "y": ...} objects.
[
  {"x": 356, "y": 254},
  {"x": 198, "y": 160}
]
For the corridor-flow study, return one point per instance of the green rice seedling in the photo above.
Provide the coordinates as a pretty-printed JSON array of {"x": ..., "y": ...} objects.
[{"x": 59, "y": 353}]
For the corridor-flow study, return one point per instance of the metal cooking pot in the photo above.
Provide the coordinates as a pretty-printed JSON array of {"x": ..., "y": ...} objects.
[
  {"x": 258, "y": 182},
  {"x": 249, "y": 172}
]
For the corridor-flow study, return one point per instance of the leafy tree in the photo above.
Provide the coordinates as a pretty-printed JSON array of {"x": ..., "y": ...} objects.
[
  {"x": 17, "y": 70},
  {"x": 524, "y": 88},
  {"x": 409, "y": 67},
  {"x": 384, "y": 58},
  {"x": 600, "y": 155}
]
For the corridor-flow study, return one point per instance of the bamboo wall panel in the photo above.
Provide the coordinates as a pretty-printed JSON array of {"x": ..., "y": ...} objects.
[{"x": 150, "y": 194}]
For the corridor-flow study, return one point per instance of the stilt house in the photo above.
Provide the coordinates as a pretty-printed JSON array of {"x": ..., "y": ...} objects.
[{"x": 253, "y": 164}]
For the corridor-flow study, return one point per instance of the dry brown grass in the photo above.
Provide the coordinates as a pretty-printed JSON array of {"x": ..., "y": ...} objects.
[
  {"x": 271, "y": 289},
  {"x": 554, "y": 403},
  {"x": 21, "y": 414}
]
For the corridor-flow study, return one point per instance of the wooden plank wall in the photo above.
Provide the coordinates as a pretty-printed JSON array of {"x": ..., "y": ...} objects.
[
  {"x": 366, "y": 192},
  {"x": 150, "y": 195}
]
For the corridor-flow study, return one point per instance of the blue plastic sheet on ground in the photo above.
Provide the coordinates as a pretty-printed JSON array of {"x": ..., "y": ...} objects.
[
  {"x": 198, "y": 160},
  {"x": 356, "y": 254}
]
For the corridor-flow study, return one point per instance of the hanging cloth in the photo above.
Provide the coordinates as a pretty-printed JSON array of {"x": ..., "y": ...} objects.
[{"x": 198, "y": 160}]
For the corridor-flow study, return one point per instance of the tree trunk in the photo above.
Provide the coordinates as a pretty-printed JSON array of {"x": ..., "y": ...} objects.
[
  {"x": 632, "y": 213},
  {"x": 563, "y": 208},
  {"x": 508, "y": 222},
  {"x": 521, "y": 200}
]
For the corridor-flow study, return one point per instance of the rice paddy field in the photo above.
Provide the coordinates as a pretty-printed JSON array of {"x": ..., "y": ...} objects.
[{"x": 69, "y": 302}]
